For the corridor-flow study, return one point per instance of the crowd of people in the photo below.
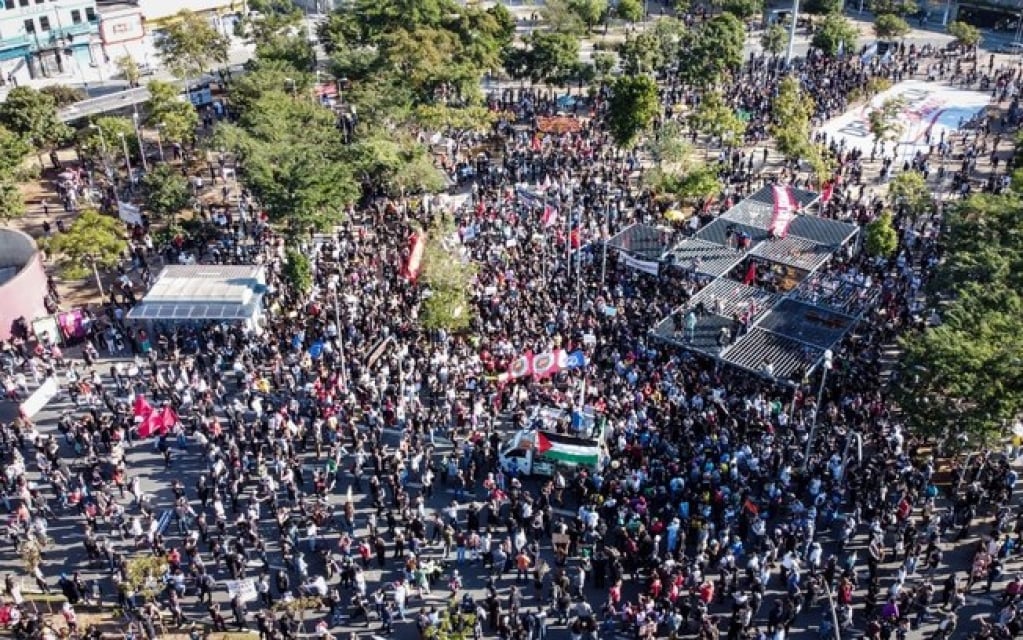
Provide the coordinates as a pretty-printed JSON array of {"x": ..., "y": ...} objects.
[{"x": 358, "y": 484}]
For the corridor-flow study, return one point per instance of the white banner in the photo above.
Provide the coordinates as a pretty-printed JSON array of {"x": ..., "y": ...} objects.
[
  {"x": 646, "y": 266},
  {"x": 926, "y": 108},
  {"x": 40, "y": 397},
  {"x": 244, "y": 589},
  {"x": 129, "y": 212}
]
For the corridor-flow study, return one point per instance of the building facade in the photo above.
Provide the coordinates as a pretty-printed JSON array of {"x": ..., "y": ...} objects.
[{"x": 48, "y": 37}]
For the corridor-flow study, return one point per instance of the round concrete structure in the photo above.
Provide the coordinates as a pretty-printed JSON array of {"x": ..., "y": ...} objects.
[{"x": 22, "y": 280}]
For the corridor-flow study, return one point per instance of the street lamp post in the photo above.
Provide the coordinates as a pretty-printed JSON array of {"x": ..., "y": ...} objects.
[
  {"x": 159, "y": 140},
  {"x": 127, "y": 159},
  {"x": 336, "y": 290},
  {"x": 106, "y": 150},
  {"x": 792, "y": 32},
  {"x": 138, "y": 136},
  {"x": 828, "y": 361}
]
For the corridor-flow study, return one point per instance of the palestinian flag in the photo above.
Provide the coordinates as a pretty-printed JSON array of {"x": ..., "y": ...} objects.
[{"x": 566, "y": 449}]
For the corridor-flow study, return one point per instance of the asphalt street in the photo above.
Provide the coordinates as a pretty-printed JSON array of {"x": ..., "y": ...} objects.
[{"x": 68, "y": 553}]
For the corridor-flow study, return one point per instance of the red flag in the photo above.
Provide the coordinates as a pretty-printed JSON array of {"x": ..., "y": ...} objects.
[
  {"x": 751, "y": 274},
  {"x": 550, "y": 216},
  {"x": 168, "y": 417},
  {"x": 417, "y": 245},
  {"x": 546, "y": 364},
  {"x": 785, "y": 206},
  {"x": 575, "y": 239},
  {"x": 750, "y": 506},
  {"x": 141, "y": 408},
  {"x": 521, "y": 366},
  {"x": 535, "y": 144},
  {"x": 152, "y": 425},
  {"x": 829, "y": 190},
  {"x": 543, "y": 445}
]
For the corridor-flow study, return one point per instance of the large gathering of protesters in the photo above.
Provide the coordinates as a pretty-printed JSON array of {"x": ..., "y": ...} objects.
[{"x": 363, "y": 475}]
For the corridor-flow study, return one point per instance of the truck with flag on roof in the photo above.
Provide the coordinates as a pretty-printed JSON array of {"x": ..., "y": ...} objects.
[{"x": 556, "y": 438}]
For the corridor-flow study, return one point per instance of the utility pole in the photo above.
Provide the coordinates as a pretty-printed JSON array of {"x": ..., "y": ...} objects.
[
  {"x": 792, "y": 32},
  {"x": 828, "y": 361}
]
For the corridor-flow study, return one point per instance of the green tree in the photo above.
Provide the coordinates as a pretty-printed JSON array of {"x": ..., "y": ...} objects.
[
  {"x": 717, "y": 119},
  {"x": 33, "y": 116},
  {"x": 298, "y": 271},
  {"x": 552, "y": 56},
  {"x": 93, "y": 241},
  {"x": 295, "y": 49},
  {"x": 12, "y": 204},
  {"x": 441, "y": 117},
  {"x": 295, "y": 164},
  {"x": 881, "y": 239},
  {"x": 640, "y": 53},
  {"x": 967, "y": 35},
  {"x": 669, "y": 146},
  {"x": 145, "y": 575},
  {"x": 64, "y": 95},
  {"x": 591, "y": 12},
  {"x": 630, "y": 10},
  {"x": 101, "y": 140},
  {"x": 790, "y": 119},
  {"x": 604, "y": 63},
  {"x": 908, "y": 191},
  {"x": 633, "y": 105},
  {"x": 14, "y": 149},
  {"x": 900, "y": 8},
  {"x": 191, "y": 45},
  {"x": 713, "y": 50},
  {"x": 744, "y": 9},
  {"x": 962, "y": 377},
  {"x": 774, "y": 39},
  {"x": 129, "y": 69},
  {"x": 166, "y": 190},
  {"x": 699, "y": 183},
  {"x": 821, "y": 7},
  {"x": 448, "y": 279},
  {"x": 177, "y": 118},
  {"x": 889, "y": 26},
  {"x": 884, "y": 120},
  {"x": 670, "y": 33},
  {"x": 835, "y": 34}
]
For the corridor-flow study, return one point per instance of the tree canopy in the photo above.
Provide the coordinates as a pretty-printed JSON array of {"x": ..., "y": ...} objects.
[
  {"x": 166, "y": 190},
  {"x": 633, "y": 105},
  {"x": 889, "y": 25},
  {"x": 32, "y": 115},
  {"x": 962, "y": 376},
  {"x": 190, "y": 45},
  {"x": 712, "y": 50},
  {"x": 834, "y": 35},
  {"x": 790, "y": 115},
  {"x": 176, "y": 118},
  {"x": 92, "y": 239},
  {"x": 965, "y": 34}
]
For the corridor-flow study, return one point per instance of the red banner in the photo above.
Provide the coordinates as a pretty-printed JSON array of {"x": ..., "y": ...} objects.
[{"x": 417, "y": 246}]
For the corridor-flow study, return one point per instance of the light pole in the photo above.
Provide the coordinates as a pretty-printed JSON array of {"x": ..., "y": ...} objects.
[
  {"x": 828, "y": 361},
  {"x": 106, "y": 150},
  {"x": 336, "y": 290},
  {"x": 127, "y": 160},
  {"x": 792, "y": 32},
  {"x": 138, "y": 136},
  {"x": 159, "y": 140}
]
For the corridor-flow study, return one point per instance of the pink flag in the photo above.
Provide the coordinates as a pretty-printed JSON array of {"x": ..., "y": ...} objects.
[
  {"x": 546, "y": 364},
  {"x": 785, "y": 206}
]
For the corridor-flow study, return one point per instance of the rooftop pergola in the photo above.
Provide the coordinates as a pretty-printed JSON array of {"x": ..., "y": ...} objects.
[
  {"x": 643, "y": 241},
  {"x": 804, "y": 311},
  {"x": 203, "y": 292}
]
